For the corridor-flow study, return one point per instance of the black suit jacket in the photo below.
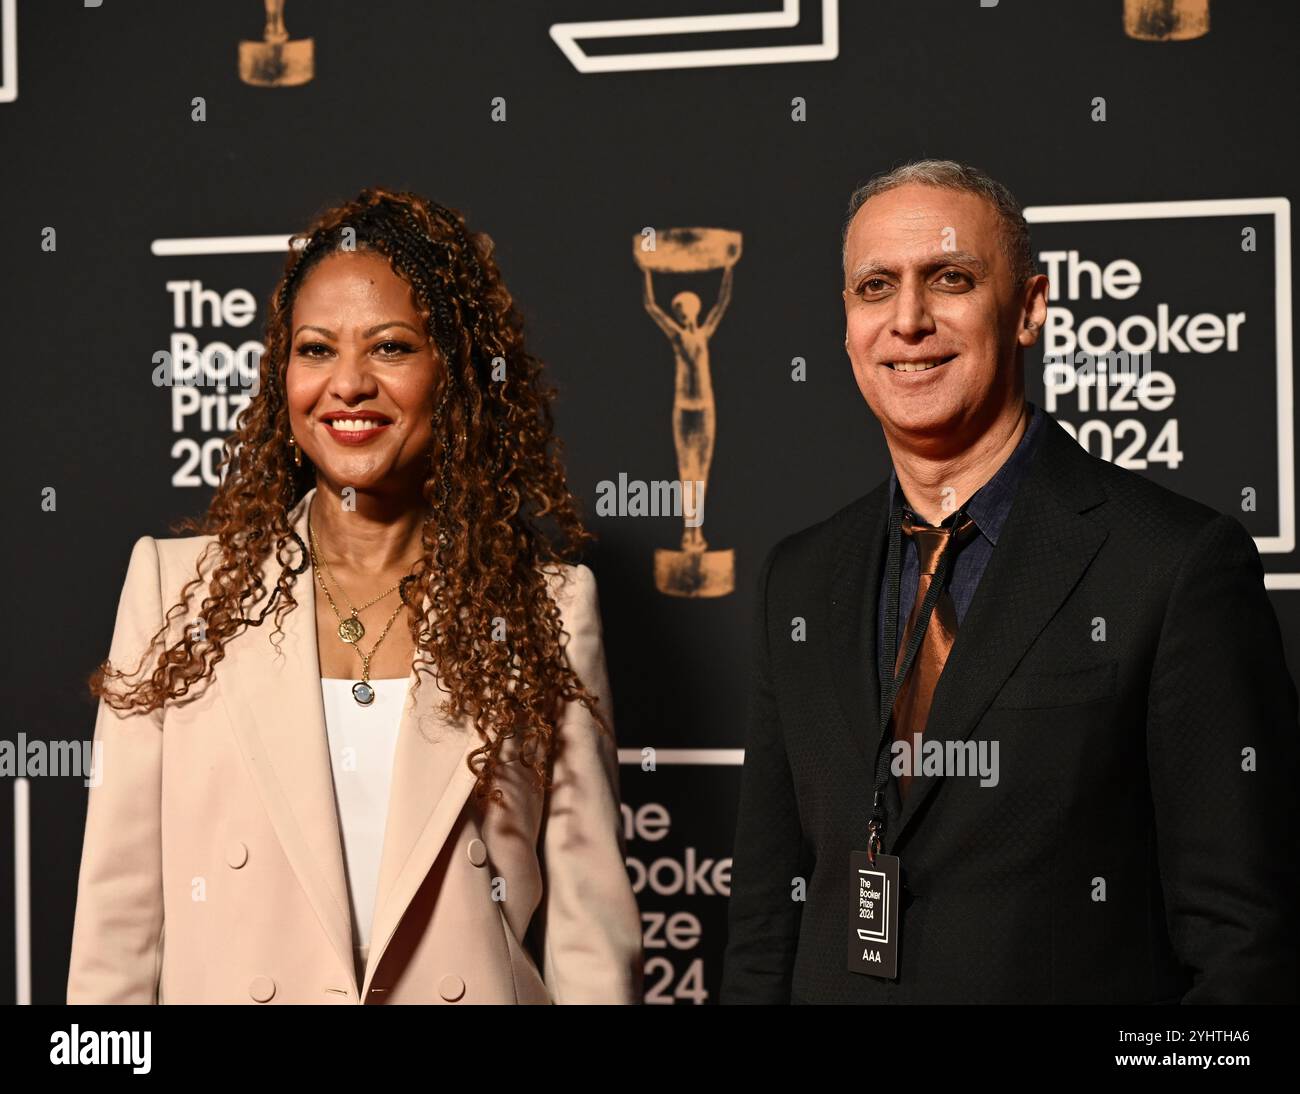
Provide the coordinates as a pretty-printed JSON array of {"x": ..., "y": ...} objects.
[{"x": 1124, "y": 768}]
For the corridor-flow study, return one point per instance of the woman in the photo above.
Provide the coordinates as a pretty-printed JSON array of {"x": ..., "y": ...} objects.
[{"x": 289, "y": 812}]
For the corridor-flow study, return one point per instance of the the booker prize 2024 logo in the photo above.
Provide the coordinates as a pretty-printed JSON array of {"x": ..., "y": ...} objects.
[
  {"x": 1164, "y": 349},
  {"x": 210, "y": 369}
]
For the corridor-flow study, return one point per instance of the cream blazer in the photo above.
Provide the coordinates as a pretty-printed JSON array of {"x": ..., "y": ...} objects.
[{"x": 212, "y": 868}]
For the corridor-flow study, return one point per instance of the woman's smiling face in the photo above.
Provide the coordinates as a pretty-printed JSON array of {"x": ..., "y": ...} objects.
[{"x": 363, "y": 376}]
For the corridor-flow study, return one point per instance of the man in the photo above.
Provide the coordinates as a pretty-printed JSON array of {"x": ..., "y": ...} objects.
[{"x": 1086, "y": 774}]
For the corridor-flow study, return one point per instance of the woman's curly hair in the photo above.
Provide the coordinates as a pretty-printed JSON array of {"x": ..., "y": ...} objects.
[{"x": 500, "y": 513}]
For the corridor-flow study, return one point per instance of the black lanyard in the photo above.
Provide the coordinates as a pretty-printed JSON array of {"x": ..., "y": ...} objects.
[{"x": 891, "y": 683}]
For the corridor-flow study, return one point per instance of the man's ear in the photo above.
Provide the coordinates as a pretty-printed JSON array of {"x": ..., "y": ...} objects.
[{"x": 1034, "y": 310}]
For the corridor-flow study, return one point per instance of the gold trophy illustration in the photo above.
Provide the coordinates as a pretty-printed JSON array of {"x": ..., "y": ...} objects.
[
  {"x": 277, "y": 60},
  {"x": 694, "y": 570},
  {"x": 1166, "y": 20}
]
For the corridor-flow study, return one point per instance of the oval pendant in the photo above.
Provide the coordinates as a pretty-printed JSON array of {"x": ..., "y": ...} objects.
[
  {"x": 351, "y": 630},
  {"x": 363, "y": 693}
]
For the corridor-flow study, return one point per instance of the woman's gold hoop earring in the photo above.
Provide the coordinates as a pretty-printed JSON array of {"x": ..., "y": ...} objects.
[{"x": 297, "y": 452}]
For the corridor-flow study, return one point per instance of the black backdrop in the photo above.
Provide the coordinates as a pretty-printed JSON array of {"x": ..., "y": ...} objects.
[{"x": 100, "y": 144}]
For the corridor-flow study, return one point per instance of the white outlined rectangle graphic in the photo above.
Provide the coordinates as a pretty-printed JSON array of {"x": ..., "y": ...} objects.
[
  {"x": 1284, "y": 541},
  {"x": 568, "y": 37},
  {"x": 8, "y": 50},
  {"x": 881, "y": 935}
]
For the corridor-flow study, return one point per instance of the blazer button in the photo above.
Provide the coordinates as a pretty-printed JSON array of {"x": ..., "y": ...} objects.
[
  {"x": 262, "y": 988},
  {"x": 477, "y": 852},
  {"x": 451, "y": 987},
  {"x": 236, "y": 855}
]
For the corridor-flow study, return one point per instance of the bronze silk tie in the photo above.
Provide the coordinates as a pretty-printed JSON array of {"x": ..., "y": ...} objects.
[{"x": 912, "y": 708}]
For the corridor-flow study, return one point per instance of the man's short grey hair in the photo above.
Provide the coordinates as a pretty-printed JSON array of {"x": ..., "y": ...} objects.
[{"x": 950, "y": 175}]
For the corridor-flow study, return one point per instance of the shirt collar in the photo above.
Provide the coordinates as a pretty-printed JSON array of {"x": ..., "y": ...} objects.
[{"x": 990, "y": 505}]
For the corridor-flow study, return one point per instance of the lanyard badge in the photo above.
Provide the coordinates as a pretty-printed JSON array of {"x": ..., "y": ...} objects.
[
  {"x": 875, "y": 878},
  {"x": 873, "y": 934}
]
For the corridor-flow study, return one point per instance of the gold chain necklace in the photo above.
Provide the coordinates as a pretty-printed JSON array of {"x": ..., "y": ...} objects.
[{"x": 351, "y": 629}]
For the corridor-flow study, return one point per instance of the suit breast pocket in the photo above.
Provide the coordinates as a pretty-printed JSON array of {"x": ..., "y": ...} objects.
[{"x": 1036, "y": 690}]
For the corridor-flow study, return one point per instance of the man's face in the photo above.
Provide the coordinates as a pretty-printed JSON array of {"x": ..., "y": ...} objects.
[{"x": 927, "y": 283}]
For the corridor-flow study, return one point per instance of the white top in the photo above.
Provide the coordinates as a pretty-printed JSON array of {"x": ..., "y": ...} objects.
[{"x": 361, "y": 743}]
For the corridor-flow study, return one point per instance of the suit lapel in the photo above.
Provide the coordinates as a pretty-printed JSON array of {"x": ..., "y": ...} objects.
[
  {"x": 858, "y": 553},
  {"x": 275, "y": 707},
  {"x": 276, "y": 710},
  {"x": 431, "y": 782},
  {"x": 1043, "y": 550}
]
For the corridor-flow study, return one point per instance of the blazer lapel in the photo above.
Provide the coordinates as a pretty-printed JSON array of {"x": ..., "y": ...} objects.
[
  {"x": 431, "y": 783},
  {"x": 277, "y": 712},
  {"x": 1043, "y": 550},
  {"x": 858, "y": 555},
  {"x": 278, "y": 715}
]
